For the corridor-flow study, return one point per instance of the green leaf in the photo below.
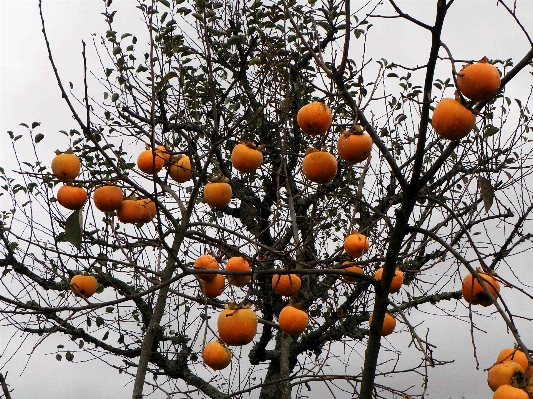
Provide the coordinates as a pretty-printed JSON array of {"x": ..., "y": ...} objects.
[
  {"x": 236, "y": 39},
  {"x": 117, "y": 50},
  {"x": 490, "y": 131},
  {"x": 106, "y": 335},
  {"x": 59, "y": 357},
  {"x": 39, "y": 137},
  {"x": 165, "y": 79},
  {"x": 114, "y": 97},
  {"x": 73, "y": 228},
  {"x": 24, "y": 124},
  {"x": 99, "y": 321},
  {"x": 35, "y": 124},
  {"x": 165, "y": 2},
  {"x": 487, "y": 192},
  {"x": 69, "y": 356}
]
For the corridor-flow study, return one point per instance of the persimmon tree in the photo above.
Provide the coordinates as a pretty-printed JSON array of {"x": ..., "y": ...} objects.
[{"x": 206, "y": 76}]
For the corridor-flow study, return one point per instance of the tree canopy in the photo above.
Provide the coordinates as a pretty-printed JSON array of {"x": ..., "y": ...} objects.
[{"x": 206, "y": 77}]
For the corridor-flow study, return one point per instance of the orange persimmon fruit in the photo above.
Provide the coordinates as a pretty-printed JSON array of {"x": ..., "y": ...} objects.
[
  {"x": 314, "y": 118},
  {"x": 452, "y": 120},
  {"x": 319, "y": 166},
  {"x": 479, "y": 81}
]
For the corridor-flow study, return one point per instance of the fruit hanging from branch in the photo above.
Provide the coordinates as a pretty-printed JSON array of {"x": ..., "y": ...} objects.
[
  {"x": 66, "y": 166},
  {"x": 396, "y": 282},
  {"x": 314, "y": 118},
  {"x": 246, "y": 157},
  {"x": 474, "y": 293},
  {"x": 355, "y": 145},
  {"x": 214, "y": 287},
  {"x": 286, "y": 284},
  {"x": 319, "y": 166},
  {"x": 180, "y": 169},
  {"x": 389, "y": 324},
  {"x": 108, "y": 198},
  {"x": 71, "y": 197},
  {"x": 452, "y": 120},
  {"x": 238, "y": 264},
  {"x": 83, "y": 285},
  {"x": 479, "y": 81},
  {"x": 130, "y": 211},
  {"x": 206, "y": 262},
  {"x": 356, "y": 244},
  {"x": 217, "y": 193},
  {"x": 292, "y": 320},
  {"x": 216, "y": 355},
  {"x": 237, "y": 326},
  {"x": 352, "y": 269}
]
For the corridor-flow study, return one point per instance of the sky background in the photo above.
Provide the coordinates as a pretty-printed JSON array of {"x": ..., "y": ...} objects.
[{"x": 28, "y": 92}]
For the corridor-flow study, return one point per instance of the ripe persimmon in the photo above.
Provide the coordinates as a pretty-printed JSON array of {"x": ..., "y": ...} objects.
[
  {"x": 396, "y": 282},
  {"x": 356, "y": 244},
  {"x": 452, "y": 120},
  {"x": 238, "y": 264},
  {"x": 215, "y": 287},
  {"x": 150, "y": 161},
  {"x": 162, "y": 152},
  {"x": 479, "y": 81},
  {"x": 108, "y": 198},
  {"x": 148, "y": 209},
  {"x": 83, "y": 285},
  {"x": 217, "y": 194},
  {"x": 314, "y": 118},
  {"x": 130, "y": 211},
  {"x": 71, "y": 197},
  {"x": 510, "y": 392},
  {"x": 66, "y": 166},
  {"x": 292, "y": 320},
  {"x": 246, "y": 157},
  {"x": 206, "y": 262},
  {"x": 216, "y": 355},
  {"x": 353, "y": 269},
  {"x": 506, "y": 373},
  {"x": 474, "y": 293},
  {"x": 237, "y": 326},
  {"x": 319, "y": 166},
  {"x": 354, "y": 146},
  {"x": 286, "y": 284},
  {"x": 180, "y": 169},
  {"x": 389, "y": 324},
  {"x": 513, "y": 355}
]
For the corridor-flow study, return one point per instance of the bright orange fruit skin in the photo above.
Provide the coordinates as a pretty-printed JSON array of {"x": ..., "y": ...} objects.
[
  {"x": 246, "y": 159},
  {"x": 108, "y": 198},
  {"x": 314, "y": 118},
  {"x": 238, "y": 264},
  {"x": 320, "y": 167},
  {"x": 474, "y": 293},
  {"x": 509, "y": 392},
  {"x": 66, "y": 166},
  {"x": 479, "y": 81},
  {"x": 217, "y": 195},
  {"x": 286, "y": 284},
  {"x": 502, "y": 374},
  {"x": 292, "y": 320},
  {"x": 83, "y": 285},
  {"x": 216, "y": 355},
  {"x": 397, "y": 280},
  {"x": 237, "y": 327},
  {"x": 71, "y": 197},
  {"x": 354, "y": 148},
  {"x": 356, "y": 245},
  {"x": 451, "y": 120},
  {"x": 389, "y": 324}
]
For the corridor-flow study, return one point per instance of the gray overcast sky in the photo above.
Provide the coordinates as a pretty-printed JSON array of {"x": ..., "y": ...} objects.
[{"x": 28, "y": 92}]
